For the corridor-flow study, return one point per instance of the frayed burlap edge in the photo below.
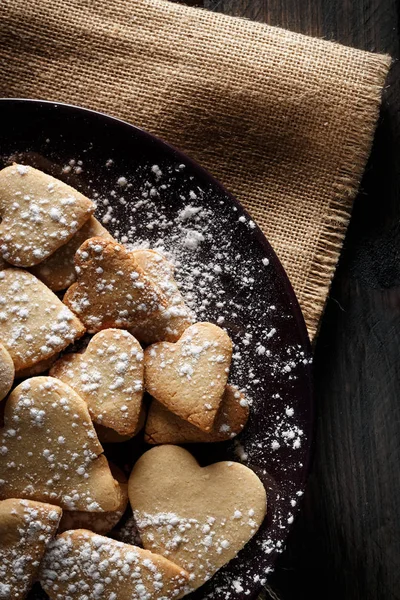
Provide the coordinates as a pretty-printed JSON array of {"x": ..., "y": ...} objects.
[{"x": 346, "y": 186}]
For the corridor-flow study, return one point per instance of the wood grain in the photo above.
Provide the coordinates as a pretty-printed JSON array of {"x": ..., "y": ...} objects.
[
  {"x": 346, "y": 544},
  {"x": 367, "y": 24}
]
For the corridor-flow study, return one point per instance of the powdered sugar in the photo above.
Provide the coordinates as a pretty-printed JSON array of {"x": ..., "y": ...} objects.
[
  {"x": 51, "y": 420},
  {"x": 225, "y": 277},
  {"x": 81, "y": 562},
  {"x": 34, "y": 324},
  {"x": 109, "y": 377},
  {"x": 25, "y": 529}
]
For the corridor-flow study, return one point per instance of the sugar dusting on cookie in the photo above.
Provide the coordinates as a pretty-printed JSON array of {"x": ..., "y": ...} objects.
[
  {"x": 34, "y": 323},
  {"x": 109, "y": 377},
  {"x": 49, "y": 450},
  {"x": 39, "y": 214},
  {"x": 26, "y": 528},
  {"x": 210, "y": 535},
  {"x": 85, "y": 565}
]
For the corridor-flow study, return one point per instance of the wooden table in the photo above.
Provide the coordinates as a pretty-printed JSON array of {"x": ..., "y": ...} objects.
[{"x": 346, "y": 544}]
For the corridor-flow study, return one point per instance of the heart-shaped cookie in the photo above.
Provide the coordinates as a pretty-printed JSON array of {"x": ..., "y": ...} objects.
[
  {"x": 83, "y": 565},
  {"x": 112, "y": 290},
  {"x": 108, "y": 375},
  {"x": 58, "y": 271},
  {"x": 34, "y": 323},
  {"x": 7, "y": 372},
  {"x": 101, "y": 523},
  {"x": 26, "y": 527},
  {"x": 49, "y": 450},
  {"x": 197, "y": 517},
  {"x": 39, "y": 214},
  {"x": 164, "y": 427},
  {"x": 172, "y": 321},
  {"x": 189, "y": 377}
]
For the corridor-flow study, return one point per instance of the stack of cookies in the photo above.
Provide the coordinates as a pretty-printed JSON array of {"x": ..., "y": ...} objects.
[{"x": 59, "y": 496}]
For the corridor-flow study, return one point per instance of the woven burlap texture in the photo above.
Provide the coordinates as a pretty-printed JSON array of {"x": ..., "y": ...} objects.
[{"x": 284, "y": 121}]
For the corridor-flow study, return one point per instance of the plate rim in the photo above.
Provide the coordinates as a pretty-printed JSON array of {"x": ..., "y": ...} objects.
[{"x": 261, "y": 238}]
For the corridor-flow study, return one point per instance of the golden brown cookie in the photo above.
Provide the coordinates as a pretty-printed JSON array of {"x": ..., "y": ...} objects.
[
  {"x": 58, "y": 271},
  {"x": 108, "y": 375},
  {"x": 91, "y": 566},
  {"x": 189, "y": 377},
  {"x": 164, "y": 427},
  {"x": 197, "y": 517},
  {"x": 110, "y": 436},
  {"x": 100, "y": 523},
  {"x": 26, "y": 527},
  {"x": 39, "y": 214},
  {"x": 34, "y": 323},
  {"x": 176, "y": 316},
  {"x": 7, "y": 372},
  {"x": 111, "y": 290},
  {"x": 49, "y": 450},
  {"x": 37, "y": 368}
]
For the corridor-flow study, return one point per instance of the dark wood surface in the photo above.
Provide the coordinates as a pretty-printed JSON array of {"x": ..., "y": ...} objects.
[{"x": 346, "y": 543}]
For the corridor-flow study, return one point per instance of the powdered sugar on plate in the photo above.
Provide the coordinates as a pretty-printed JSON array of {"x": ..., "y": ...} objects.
[
  {"x": 148, "y": 196},
  {"x": 226, "y": 278}
]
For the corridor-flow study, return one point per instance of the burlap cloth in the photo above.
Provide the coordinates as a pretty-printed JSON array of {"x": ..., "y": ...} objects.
[{"x": 284, "y": 121}]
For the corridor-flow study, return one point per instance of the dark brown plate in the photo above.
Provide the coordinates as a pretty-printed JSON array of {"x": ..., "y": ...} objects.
[{"x": 226, "y": 268}]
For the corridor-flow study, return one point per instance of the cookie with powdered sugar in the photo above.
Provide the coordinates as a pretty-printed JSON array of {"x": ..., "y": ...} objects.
[
  {"x": 88, "y": 565},
  {"x": 190, "y": 376},
  {"x": 111, "y": 290},
  {"x": 49, "y": 450},
  {"x": 26, "y": 528},
  {"x": 39, "y": 214},
  {"x": 108, "y": 375},
  {"x": 172, "y": 320},
  {"x": 101, "y": 523},
  {"x": 34, "y": 323},
  {"x": 198, "y": 517}
]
